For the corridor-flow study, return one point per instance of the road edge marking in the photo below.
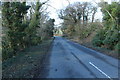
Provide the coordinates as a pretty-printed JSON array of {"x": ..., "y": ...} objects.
[{"x": 100, "y": 70}]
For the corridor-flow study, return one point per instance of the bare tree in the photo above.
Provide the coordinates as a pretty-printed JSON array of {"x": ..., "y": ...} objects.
[{"x": 94, "y": 10}]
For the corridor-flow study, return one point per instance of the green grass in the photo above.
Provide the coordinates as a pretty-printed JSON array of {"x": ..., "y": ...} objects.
[{"x": 27, "y": 63}]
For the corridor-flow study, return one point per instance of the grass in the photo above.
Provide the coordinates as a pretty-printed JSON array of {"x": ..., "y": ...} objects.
[
  {"x": 105, "y": 51},
  {"x": 26, "y": 64}
]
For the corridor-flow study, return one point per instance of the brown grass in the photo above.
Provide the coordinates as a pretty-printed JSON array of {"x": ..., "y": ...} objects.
[{"x": 87, "y": 42}]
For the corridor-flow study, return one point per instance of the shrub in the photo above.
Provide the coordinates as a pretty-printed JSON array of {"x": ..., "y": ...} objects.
[
  {"x": 36, "y": 40},
  {"x": 111, "y": 39},
  {"x": 7, "y": 50},
  {"x": 97, "y": 42},
  {"x": 98, "y": 39},
  {"x": 117, "y": 47}
]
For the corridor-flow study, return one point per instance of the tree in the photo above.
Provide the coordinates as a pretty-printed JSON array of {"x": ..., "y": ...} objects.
[
  {"x": 76, "y": 18},
  {"x": 111, "y": 34},
  {"x": 13, "y": 16},
  {"x": 94, "y": 10}
]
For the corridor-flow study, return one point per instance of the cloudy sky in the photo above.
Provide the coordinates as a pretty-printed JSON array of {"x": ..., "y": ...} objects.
[{"x": 56, "y": 5}]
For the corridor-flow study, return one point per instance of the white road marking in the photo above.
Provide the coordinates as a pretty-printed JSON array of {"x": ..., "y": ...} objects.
[{"x": 100, "y": 70}]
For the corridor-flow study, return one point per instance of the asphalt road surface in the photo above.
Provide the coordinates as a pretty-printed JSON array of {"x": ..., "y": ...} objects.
[{"x": 72, "y": 60}]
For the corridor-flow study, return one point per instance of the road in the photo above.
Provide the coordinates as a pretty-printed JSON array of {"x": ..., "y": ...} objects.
[{"x": 72, "y": 60}]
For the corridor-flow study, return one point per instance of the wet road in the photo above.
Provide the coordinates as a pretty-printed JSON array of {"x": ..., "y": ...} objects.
[{"x": 71, "y": 60}]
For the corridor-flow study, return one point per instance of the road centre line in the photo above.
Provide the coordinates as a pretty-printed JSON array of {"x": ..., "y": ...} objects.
[{"x": 100, "y": 70}]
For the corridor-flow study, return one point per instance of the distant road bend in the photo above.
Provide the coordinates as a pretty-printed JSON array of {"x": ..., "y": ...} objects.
[{"x": 72, "y": 60}]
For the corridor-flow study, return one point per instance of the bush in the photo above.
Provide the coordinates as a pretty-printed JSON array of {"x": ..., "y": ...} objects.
[
  {"x": 97, "y": 42},
  {"x": 98, "y": 39},
  {"x": 117, "y": 47},
  {"x": 111, "y": 39},
  {"x": 7, "y": 51},
  {"x": 36, "y": 40}
]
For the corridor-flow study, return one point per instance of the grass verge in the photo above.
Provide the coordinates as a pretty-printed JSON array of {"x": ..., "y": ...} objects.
[
  {"x": 105, "y": 51},
  {"x": 26, "y": 64}
]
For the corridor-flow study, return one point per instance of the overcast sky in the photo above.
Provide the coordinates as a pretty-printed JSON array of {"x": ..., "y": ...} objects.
[
  {"x": 61, "y": 4},
  {"x": 56, "y": 5}
]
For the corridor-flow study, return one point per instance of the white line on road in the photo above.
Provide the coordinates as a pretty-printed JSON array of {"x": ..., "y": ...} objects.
[{"x": 100, "y": 70}]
